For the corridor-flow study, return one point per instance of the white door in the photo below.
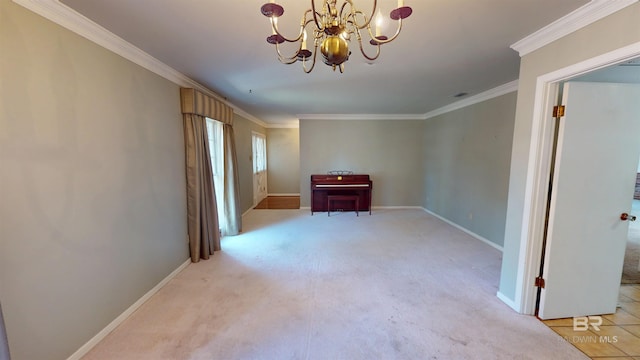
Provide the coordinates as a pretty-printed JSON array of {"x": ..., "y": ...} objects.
[
  {"x": 259, "y": 142},
  {"x": 594, "y": 176}
]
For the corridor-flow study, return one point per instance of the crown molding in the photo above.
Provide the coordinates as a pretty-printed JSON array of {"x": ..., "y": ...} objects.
[
  {"x": 360, "y": 116},
  {"x": 70, "y": 19},
  {"x": 576, "y": 20},
  {"x": 484, "y": 96},
  {"x": 294, "y": 124}
]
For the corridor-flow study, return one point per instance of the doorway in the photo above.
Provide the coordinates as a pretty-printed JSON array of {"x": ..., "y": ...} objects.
[
  {"x": 595, "y": 162},
  {"x": 631, "y": 265},
  {"x": 259, "y": 148},
  {"x": 538, "y": 178}
]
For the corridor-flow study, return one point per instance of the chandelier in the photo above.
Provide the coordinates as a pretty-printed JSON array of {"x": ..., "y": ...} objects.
[{"x": 332, "y": 28}]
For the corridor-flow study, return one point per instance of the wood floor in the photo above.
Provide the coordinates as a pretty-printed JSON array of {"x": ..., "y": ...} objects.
[{"x": 279, "y": 202}]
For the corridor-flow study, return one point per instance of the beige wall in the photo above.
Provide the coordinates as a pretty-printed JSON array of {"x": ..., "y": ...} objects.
[
  {"x": 92, "y": 185},
  {"x": 388, "y": 150},
  {"x": 467, "y": 154},
  {"x": 242, "y": 129},
  {"x": 283, "y": 161},
  {"x": 613, "y": 32}
]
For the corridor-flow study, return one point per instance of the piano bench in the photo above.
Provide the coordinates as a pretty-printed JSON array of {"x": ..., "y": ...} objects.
[{"x": 354, "y": 198}]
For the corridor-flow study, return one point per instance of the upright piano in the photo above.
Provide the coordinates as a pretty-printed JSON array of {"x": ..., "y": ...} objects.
[{"x": 350, "y": 186}]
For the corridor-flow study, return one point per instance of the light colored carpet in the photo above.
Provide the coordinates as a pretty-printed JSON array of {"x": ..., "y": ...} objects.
[
  {"x": 631, "y": 267},
  {"x": 399, "y": 284}
]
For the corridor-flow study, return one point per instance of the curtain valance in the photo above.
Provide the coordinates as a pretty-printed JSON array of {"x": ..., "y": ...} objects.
[{"x": 196, "y": 102}]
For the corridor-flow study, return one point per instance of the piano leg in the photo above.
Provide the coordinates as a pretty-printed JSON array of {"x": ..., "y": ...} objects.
[{"x": 356, "y": 199}]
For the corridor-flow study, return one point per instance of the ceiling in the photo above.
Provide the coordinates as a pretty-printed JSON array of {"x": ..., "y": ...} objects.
[{"x": 446, "y": 47}]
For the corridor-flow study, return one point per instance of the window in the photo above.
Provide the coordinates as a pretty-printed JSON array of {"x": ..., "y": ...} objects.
[
  {"x": 259, "y": 153},
  {"x": 216, "y": 147}
]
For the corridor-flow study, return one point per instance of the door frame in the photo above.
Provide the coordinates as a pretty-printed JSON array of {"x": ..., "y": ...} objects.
[{"x": 539, "y": 169}]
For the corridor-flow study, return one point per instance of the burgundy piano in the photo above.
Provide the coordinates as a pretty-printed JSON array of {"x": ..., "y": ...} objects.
[{"x": 345, "y": 191}]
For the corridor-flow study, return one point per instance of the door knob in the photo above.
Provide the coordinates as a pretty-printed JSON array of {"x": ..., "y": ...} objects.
[{"x": 627, "y": 217}]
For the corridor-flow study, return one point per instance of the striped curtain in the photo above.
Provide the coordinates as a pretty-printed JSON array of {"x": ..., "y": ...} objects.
[
  {"x": 202, "y": 215},
  {"x": 232, "y": 212},
  {"x": 197, "y": 103}
]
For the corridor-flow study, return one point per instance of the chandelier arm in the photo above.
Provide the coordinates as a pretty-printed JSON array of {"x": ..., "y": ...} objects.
[
  {"x": 315, "y": 15},
  {"x": 288, "y": 62},
  {"x": 313, "y": 64},
  {"x": 344, "y": 5},
  {"x": 293, "y": 58},
  {"x": 355, "y": 12},
  {"x": 313, "y": 18},
  {"x": 296, "y": 57},
  {"x": 275, "y": 29},
  {"x": 307, "y": 23},
  {"x": 352, "y": 19},
  {"x": 371, "y": 58},
  {"x": 286, "y": 59},
  {"x": 380, "y": 41}
]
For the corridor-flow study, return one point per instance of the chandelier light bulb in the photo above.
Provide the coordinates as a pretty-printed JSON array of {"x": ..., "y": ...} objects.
[{"x": 304, "y": 40}]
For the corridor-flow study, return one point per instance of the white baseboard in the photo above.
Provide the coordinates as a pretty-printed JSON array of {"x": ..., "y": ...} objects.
[
  {"x": 469, "y": 232},
  {"x": 284, "y": 194},
  {"x": 508, "y": 301},
  {"x": 395, "y": 207},
  {"x": 381, "y": 207},
  {"x": 246, "y": 212},
  {"x": 82, "y": 351}
]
